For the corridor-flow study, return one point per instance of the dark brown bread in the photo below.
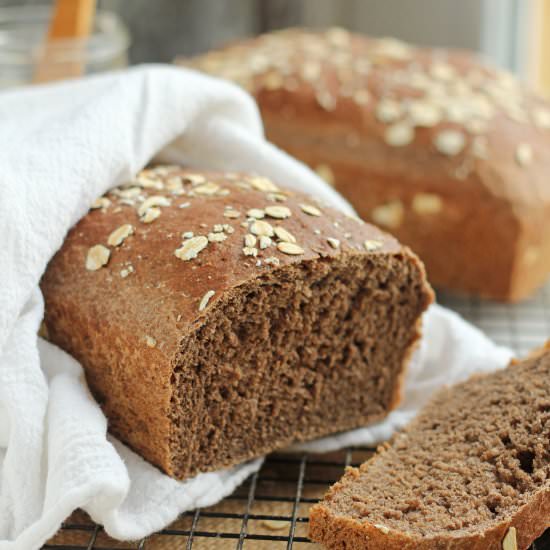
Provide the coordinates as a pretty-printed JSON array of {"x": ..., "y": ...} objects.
[
  {"x": 277, "y": 320},
  {"x": 448, "y": 154},
  {"x": 472, "y": 472}
]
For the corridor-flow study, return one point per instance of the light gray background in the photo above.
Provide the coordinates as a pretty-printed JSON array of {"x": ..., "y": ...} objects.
[
  {"x": 165, "y": 28},
  {"x": 162, "y": 29}
]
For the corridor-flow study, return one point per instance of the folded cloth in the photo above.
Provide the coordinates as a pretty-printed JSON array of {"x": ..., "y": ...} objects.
[{"x": 61, "y": 146}]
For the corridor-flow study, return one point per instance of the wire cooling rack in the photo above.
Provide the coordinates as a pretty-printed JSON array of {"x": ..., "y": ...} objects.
[{"x": 270, "y": 510}]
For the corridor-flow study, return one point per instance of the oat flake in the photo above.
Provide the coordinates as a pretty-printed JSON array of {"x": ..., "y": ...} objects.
[
  {"x": 97, "y": 257},
  {"x": 205, "y": 299}
]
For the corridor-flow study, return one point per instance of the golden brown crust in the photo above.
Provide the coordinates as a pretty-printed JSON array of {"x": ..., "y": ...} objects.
[
  {"x": 438, "y": 140},
  {"x": 121, "y": 294},
  {"x": 339, "y": 532},
  {"x": 150, "y": 251}
]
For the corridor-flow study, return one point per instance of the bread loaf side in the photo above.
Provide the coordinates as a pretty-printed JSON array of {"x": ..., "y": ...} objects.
[{"x": 219, "y": 317}]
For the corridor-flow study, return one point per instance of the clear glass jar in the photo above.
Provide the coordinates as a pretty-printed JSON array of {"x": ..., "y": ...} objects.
[{"x": 23, "y": 31}]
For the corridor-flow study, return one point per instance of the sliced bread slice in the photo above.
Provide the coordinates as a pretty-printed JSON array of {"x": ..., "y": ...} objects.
[{"x": 471, "y": 472}]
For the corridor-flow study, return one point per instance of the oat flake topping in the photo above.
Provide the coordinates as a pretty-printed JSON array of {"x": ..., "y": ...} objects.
[
  {"x": 387, "y": 79},
  {"x": 311, "y": 210},
  {"x": 290, "y": 248},
  {"x": 117, "y": 237},
  {"x": 371, "y": 245},
  {"x": 191, "y": 248},
  {"x": 97, "y": 257},
  {"x": 261, "y": 227},
  {"x": 205, "y": 299},
  {"x": 284, "y": 235},
  {"x": 278, "y": 212},
  {"x": 262, "y": 244}
]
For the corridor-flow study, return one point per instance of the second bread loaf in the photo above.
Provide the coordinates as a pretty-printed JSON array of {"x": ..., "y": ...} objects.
[{"x": 443, "y": 151}]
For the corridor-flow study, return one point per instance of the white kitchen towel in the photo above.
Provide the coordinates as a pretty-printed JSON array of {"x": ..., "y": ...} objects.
[{"x": 61, "y": 146}]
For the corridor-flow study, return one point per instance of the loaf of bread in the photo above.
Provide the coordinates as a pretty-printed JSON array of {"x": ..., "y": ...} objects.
[
  {"x": 472, "y": 472},
  {"x": 219, "y": 317},
  {"x": 449, "y": 155}
]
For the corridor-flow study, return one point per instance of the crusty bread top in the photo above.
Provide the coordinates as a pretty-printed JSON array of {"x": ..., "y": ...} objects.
[
  {"x": 432, "y": 111},
  {"x": 160, "y": 250}
]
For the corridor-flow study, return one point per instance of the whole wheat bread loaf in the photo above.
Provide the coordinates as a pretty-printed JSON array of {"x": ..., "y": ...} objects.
[
  {"x": 447, "y": 153},
  {"x": 219, "y": 317},
  {"x": 472, "y": 472}
]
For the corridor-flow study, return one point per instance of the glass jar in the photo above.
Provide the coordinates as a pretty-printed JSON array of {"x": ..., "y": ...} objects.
[{"x": 23, "y": 32}]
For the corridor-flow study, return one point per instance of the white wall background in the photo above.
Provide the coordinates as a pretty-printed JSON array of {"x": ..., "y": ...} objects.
[{"x": 163, "y": 29}]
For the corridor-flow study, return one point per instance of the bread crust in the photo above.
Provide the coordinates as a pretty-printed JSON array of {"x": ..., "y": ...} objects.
[
  {"x": 126, "y": 322},
  {"x": 308, "y": 87},
  {"x": 341, "y": 533}
]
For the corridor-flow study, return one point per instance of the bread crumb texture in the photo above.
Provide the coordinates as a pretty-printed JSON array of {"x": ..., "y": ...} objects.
[{"x": 472, "y": 471}]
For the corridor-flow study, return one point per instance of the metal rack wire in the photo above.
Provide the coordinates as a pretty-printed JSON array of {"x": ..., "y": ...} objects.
[{"x": 270, "y": 510}]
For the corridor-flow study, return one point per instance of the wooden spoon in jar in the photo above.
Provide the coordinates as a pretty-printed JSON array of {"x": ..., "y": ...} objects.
[{"x": 72, "y": 19}]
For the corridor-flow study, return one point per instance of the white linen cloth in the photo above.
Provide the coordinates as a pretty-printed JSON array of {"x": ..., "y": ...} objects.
[{"x": 61, "y": 146}]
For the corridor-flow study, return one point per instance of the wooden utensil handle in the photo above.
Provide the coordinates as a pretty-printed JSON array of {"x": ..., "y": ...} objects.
[{"x": 72, "y": 19}]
